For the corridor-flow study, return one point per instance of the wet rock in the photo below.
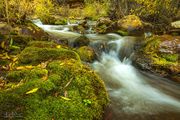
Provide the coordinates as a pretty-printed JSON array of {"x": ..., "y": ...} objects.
[
  {"x": 81, "y": 41},
  {"x": 79, "y": 29},
  {"x": 175, "y": 28},
  {"x": 62, "y": 41},
  {"x": 82, "y": 27},
  {"x": 104, "y": 25},
  {"x": 86, "y": 53},
  {"x": 159, "y": 54},
  {"x": 103, "y": 21},
  {"x": 176, "y": 24},
  {"x": 99, "y": 47},
  {"x": 131, "y": 24},
  {"x": 169, "y": 45}
]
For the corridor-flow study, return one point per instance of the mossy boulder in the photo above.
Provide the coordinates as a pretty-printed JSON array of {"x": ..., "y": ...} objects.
[
  {"x": 35, "y": 55},
  {"x": 86, "y": 53},
  {"x": 160, "y": 54},
  {"x": 42, "y": 44},
  {"x": 62, "y": 89},
  {"x": 131, "y": 24}
]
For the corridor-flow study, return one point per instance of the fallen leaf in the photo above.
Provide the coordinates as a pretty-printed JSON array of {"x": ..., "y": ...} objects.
[
  {"x": 29, "y": 67},
  {"x": 3, "y": 44},
  {"x": 14, "y": 59},
  {"x": 65, "y": 98},
  {"x": 44, "y": 77},
  {"x": 58, "y": 46},
  {"x": 62, "y": 64},
  {"x": 5, "y": 56},
  {"x": 32, "y": 91},
  {"x": 20, "y": 68}
]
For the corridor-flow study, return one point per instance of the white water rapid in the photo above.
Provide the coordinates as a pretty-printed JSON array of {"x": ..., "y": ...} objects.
[{"x": 125, "y": 83}]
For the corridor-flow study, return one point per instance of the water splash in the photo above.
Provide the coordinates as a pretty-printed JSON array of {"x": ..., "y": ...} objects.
[{"x": 127, "y": 86}]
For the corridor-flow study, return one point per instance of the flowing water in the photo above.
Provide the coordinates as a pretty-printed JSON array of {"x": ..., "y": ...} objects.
[{"x": 134, "y": 94}]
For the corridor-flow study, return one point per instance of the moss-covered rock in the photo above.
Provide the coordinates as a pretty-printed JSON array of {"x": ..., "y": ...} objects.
[
  {"x": 42, "y": 44},
  {"x": 49, "y": 82},
  {"x": 131, "y": 24},
  {"x": 34, "y": 55},
  {"x": 70, "y": 91},
  {"x": 86, "y": 53},
  {"x": 160, "y": 54}
]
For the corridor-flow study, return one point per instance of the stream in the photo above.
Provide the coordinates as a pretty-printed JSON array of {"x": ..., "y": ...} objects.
[{"x": 134, "y": 94}]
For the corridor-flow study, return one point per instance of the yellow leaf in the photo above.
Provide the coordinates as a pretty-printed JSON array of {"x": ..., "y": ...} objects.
[
  {"x": 3, "y": 44},
  {"x": 32, "y": 91},
  {"x": 45, "y": 77},
  {"x": 62, "y": 64},
  {"x": 6, "y": 56},
  {"x": 29, "y": 67},
  {"x": 15, "y": 59},
  {"x": 11, "y": 65},
  {"x": 58, "y": 46},
  {"x": 20, "y": 68},
  {"x": 65, "y": 98}
]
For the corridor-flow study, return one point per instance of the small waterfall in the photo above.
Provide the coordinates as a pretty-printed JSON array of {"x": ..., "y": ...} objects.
[{"x": 128, "y": 89}]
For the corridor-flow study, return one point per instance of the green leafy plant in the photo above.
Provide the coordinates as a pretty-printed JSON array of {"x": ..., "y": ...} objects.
[{"x": 87, "y": 102}]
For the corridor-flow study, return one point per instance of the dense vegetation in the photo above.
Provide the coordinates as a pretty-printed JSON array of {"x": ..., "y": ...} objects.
[{"x": 155, "y": 11}]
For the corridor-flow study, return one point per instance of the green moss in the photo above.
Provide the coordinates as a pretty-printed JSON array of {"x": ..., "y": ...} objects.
[
  {"x": 151, "y": 46},
  {"x": 170, "y": 57},
  {"x": 33, "y": 55},
  {"x": 84, "y": 100},
  {"x": 42, "y": 44},
  {"x": 86, "y": 53},
  {"x": 17, "y": 76},
  {"x": 21, "y": 40},
  {"x": 61, "y": 22},
  {"x": 4, "y": 62},
  {"x": 123, "y": 33}
]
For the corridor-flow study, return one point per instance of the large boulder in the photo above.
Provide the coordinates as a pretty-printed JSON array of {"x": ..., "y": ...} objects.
[
  {"x": 160, "y": 54},
  {"x": 49, "y": 86},
  {"x": 131, "y": 24}
]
